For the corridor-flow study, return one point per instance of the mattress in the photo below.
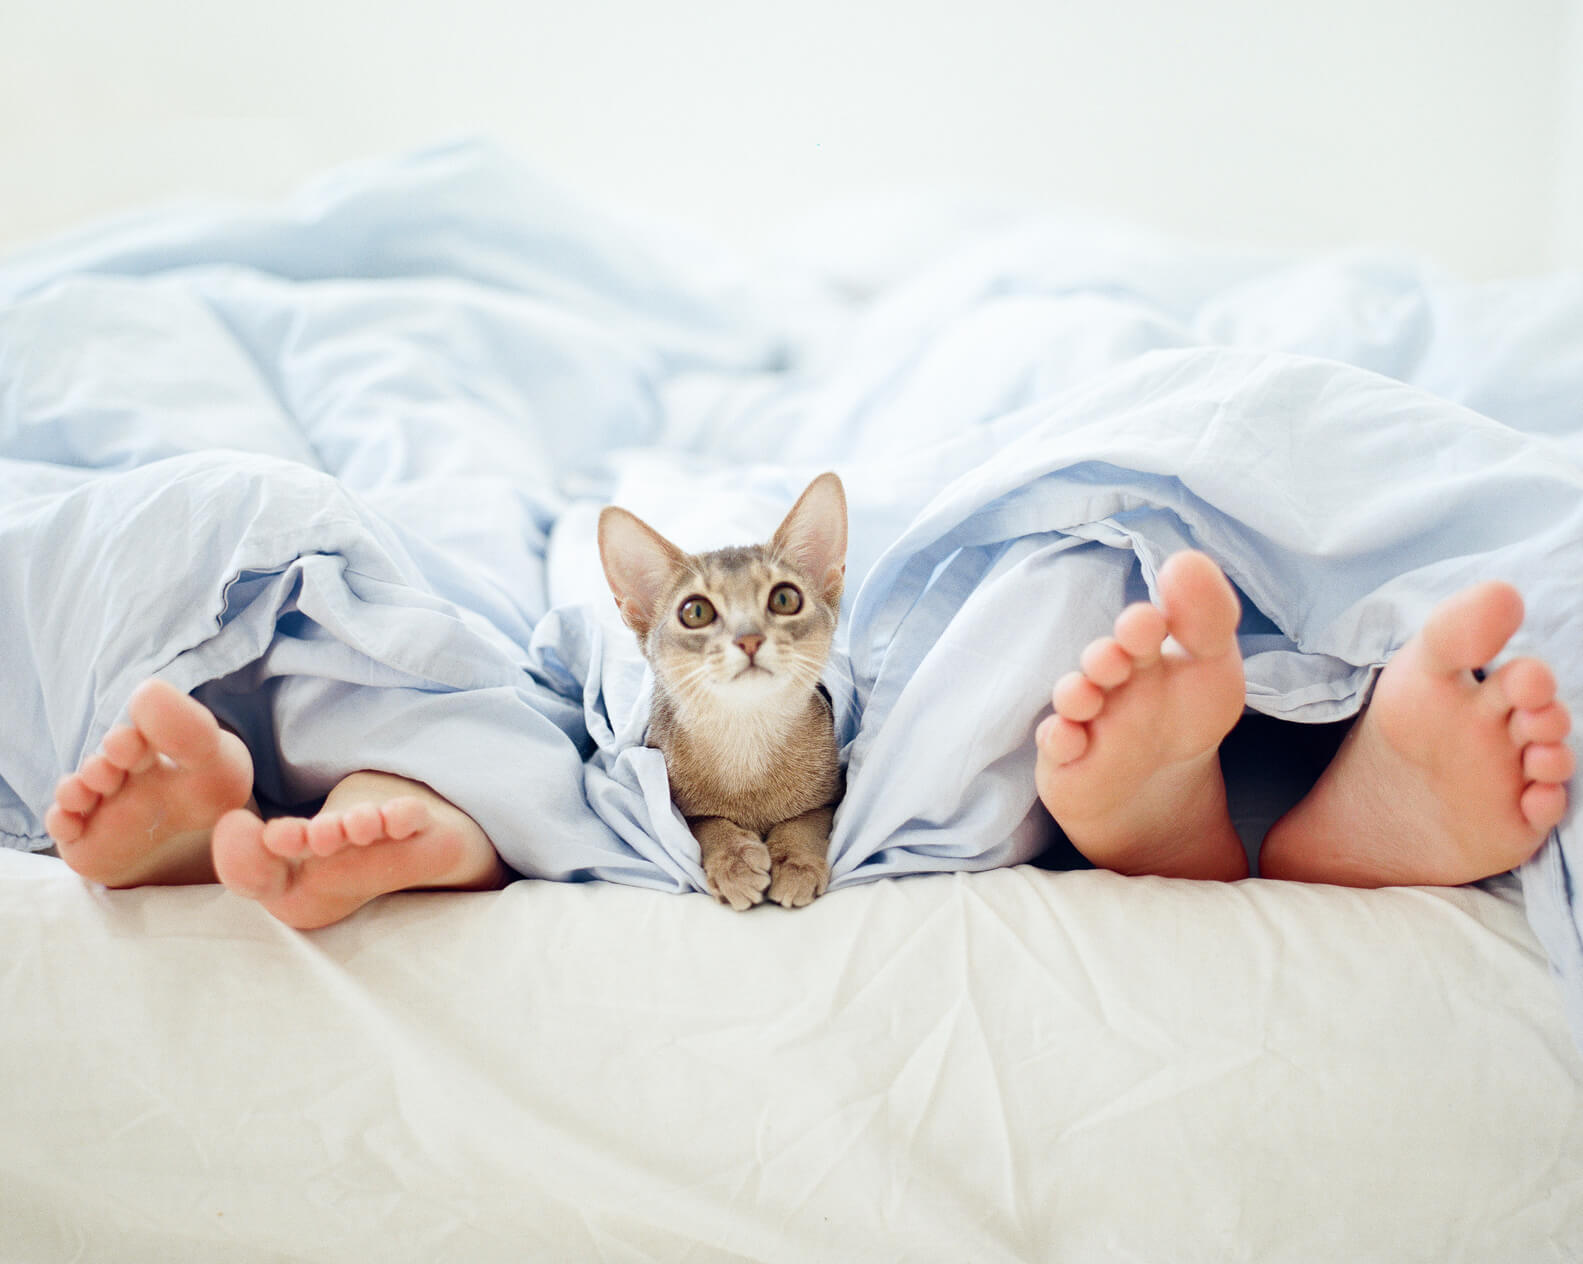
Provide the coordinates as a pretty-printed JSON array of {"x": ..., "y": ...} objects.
[{"x": 1013, "y": 1065}]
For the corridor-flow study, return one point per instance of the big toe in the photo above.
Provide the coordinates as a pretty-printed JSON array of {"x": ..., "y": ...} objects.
[
  {"x": 175, "y": 724},
  {"x": 241, "y": 860},
  {"x": 1470, "y": 628},
  {"x": 1200, "y": 604}
]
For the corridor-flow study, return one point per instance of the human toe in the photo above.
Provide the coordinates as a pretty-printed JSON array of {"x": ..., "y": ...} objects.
[
  {"x": 1548, "y": 762},
  {"x": 1543, "y": 804},
  {"x": 175, "y": 723},
  {"x": 128, "y": 749},
  {"x": 1077, "y": 698},
  {"x": 1524, "y": 684},
  {"x": 285, "y": 836},
  {"x": 1140, "y": 630},
  {"x": 1060, "y": 740},
  {"x": 1550, "y": 723},
  {"x": 1469, "y": 628},
  {"x": 1201, "y": 607},
  {"x": 242, "y": 861},
  {"x": 75, "y": 795},
  {"x": 405, "y": 816},
  {"x": 101, "y": 776},
  {"x": 63, "y": 826},
  {"x": 326, "y": 834},
  {"x": 1106, "y": 663},
  {"x": 364, "y": 824}
]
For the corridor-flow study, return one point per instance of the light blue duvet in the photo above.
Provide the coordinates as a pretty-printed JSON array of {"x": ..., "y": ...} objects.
[{"x": 335, "y": 467}]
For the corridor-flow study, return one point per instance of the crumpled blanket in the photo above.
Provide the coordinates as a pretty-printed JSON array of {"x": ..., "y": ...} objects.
[{"x": 334, "y": 466}]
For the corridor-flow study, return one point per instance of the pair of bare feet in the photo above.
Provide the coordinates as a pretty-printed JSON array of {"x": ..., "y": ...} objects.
[
  {"x": 168, "y": 801},
  {"x": 1448, "y": 776}
]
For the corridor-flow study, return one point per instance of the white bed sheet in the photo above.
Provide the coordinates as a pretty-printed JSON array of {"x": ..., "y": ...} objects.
[{"x": 1012, "y": 1065}]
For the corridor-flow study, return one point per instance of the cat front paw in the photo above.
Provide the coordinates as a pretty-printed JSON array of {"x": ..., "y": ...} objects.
[
  {"x": 738, "y": 872},
  {"x": 797, "y": 881}
]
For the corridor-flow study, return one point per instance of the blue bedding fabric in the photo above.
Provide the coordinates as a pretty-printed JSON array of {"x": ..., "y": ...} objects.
[{"x": 335, "y": 467}]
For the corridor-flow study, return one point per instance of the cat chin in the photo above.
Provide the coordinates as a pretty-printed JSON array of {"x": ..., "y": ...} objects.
[
  {"x": 755, "y": 679},
  {"x": 751, "y": 687}
]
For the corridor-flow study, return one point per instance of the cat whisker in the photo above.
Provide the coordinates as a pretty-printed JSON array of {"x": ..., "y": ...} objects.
[{"x": 693, "y": 680}]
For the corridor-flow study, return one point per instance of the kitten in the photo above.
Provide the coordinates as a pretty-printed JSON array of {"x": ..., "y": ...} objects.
[{"x": 737, "y": 639}]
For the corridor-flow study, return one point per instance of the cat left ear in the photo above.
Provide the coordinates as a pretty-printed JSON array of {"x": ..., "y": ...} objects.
[
  {"x": 813, "y": 536},
  {"x": 640, "y": 565}
]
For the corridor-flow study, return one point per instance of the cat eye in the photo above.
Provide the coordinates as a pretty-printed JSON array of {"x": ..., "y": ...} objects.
[
  {"x": 785, "y": 599},
  {"x": 696, "y": 612}
]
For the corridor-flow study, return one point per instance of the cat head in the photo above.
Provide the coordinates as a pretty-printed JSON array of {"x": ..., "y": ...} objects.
[{"x": 737, "y": 626}]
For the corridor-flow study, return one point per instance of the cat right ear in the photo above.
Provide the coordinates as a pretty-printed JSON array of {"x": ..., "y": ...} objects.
[
  {"x": 640, "y": 565},
  {"x": 813, "y": 536}
]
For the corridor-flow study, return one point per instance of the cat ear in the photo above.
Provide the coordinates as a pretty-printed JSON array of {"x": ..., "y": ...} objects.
[
  {"x": 813, "y": 536},
  {"x": 640, "y": 565}
]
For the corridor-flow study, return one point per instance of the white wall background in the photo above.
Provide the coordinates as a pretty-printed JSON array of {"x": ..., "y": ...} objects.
[
  {"x": 1568, "y": 229},
  {"x": 1451, "y": 126}
]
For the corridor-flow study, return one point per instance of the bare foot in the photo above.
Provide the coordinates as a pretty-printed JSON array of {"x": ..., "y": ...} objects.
[
  {"x": 1444, "y": 778},
  {"x": 1129, "y": 764},
  {"x": 376, "y": 834},
  {"x": 140, "y": 812}
]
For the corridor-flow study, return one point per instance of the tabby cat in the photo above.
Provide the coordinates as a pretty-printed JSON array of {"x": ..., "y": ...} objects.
[{"x": 737, "y": 639}]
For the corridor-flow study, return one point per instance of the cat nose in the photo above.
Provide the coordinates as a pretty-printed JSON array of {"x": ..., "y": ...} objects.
[{"x": 749, "y": 644}]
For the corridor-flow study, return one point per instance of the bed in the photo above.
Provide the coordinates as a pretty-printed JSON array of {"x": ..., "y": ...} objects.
[
  {"x": 1010, "y": 1065},
  {"x": 376, "y": 425}
]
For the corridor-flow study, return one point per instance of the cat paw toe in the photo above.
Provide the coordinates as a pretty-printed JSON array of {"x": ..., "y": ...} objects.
[
  {"x": 797, "y": 883},
  {"x": 739, "y": 876}
]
